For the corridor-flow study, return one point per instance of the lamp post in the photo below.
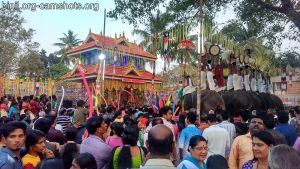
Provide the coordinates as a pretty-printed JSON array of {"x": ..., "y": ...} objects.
[
  {"x": 201, "y": 53},
  {"x": 101, "y": 72}
]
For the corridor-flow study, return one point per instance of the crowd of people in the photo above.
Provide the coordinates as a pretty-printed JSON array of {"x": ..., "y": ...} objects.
[{"x": 35, "y": 134}]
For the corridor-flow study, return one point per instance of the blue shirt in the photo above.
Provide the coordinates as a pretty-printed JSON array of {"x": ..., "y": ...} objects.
[
  {"x": 9, "y": 160},
  {"x": 289, "y": 133},
  {"x": 11, "y": 112},
  {"x": 185, "y": 136},
  {"x": 195, "y": 162}
]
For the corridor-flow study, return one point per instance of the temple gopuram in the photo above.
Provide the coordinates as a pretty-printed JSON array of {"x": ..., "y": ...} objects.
[{"x": 125, "y": 75}]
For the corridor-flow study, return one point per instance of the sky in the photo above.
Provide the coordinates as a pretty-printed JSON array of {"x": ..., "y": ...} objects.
[{"x": 49, "y": 25}]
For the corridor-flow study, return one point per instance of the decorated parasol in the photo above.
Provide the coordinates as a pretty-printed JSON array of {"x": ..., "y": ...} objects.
[{"x": 186, "y": 44}]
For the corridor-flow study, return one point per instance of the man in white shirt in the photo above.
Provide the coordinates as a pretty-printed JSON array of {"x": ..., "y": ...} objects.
[
  {"x": 230, "y": 129},
  {"x": 217, "y": 138}
]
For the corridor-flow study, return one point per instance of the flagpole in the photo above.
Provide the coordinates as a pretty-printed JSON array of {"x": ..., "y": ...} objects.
[{"x": 200, "y": 52}]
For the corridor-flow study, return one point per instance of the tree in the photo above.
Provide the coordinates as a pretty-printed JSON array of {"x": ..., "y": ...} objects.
[
  {"x": 271, "y": 15},
  {"x": 68, "y": 41},
  {"x": 268, "y": 16},
  {"x": 153, "y": 32},
  {"x": 12, "y": 37},
  {"x": 289, "y": 58},
  {"x": 57, "y": 70},
  {"x": 44, "y": 58},
  {"x": 138, "y": 11},
  {"x": 30, "y": 63}
]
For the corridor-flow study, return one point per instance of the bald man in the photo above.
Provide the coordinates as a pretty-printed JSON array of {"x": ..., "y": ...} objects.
[{"x": 160, "y": 144}]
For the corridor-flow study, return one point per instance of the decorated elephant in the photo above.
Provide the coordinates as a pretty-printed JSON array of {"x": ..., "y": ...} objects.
[
  {"x": 210, "y": 100},
  {"x": 247, "y": 100}
]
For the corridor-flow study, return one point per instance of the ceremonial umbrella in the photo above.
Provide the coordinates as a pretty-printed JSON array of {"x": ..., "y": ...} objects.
[{"x": 186, "y": 44}]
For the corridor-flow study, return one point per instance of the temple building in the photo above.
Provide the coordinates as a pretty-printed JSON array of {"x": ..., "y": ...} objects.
[{"x": 124, "y": 66}]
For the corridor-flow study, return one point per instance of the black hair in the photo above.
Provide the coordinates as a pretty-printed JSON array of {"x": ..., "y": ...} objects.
[
  {"x": 9, "y": 127},
  {"x": 160, "y": 146},
  {"x": 33, "y": 137},
  {"x": 71, "y": 149},
  {"x": 130, "y": 138},
  {"x": 93, "y": 123},
  {"x": 264, "y": 136},
  {"x": 156, "y": 121},
  {"x": 164, "y": 110},
  {"x": 102, "y": 110},
  {"x": 225, "y": 115},
  {"x": 110, "y": 109},
  {"x": 42, "y": 124},
  {"x": 212, "y": 118},
  {"x": 52, "y": 118},
  {"x": 117, "y": 113},
  {"x": 195, "y": 140},
  {"x": 283, "y": 117},
  {"x": 192, "y": 117},
  {"x": 269, "y": 121},
  {"x": 86, "y": 161},
  {"x": 117, "y": 128},
  {"x": 31, "y": 97},
  {"x": 62, "y": 111},
  {"x": 71, "y": 133},
  {"x": 216, "y": 161},
  {"x": 181, "y": 122},
  {"x": 50, "y": 164},
  {"x": 80, "y": 103}
]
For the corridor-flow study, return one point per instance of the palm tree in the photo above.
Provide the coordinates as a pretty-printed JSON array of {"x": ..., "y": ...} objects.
[
  {"x": 68, "y": 41},
  {"x": 153, "y": 33}
]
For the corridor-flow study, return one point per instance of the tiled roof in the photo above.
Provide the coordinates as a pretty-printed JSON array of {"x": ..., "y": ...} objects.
[
  {"x": 119, "y": 72},
  {"x": 112, "y": 43}
]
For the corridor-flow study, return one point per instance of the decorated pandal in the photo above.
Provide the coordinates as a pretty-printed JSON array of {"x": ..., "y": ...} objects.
[{"x": 125, "y": 78}]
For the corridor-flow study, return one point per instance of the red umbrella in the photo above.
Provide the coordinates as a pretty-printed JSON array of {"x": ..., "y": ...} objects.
[{"x": 186, "y": 44}]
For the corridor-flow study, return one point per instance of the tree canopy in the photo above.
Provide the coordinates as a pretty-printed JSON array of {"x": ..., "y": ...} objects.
[
  {"x": 68, "y": 41},
  {"x": 13, "y": 36},
  {"x": 267, "y": 16}
]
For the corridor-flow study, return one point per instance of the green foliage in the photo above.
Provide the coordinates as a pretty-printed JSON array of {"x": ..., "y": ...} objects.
[
  {"x": 68, "y": 41},
  {"x": 30, "y": 64},
  {"x": 57, "y": 70},
  {"x": 266, "y": 17},
  {"x": 138, "y": 11},
  {"x": 13, "y": 36},
  {"x": 153, "y": 33},
  {"x": 288, "y": 58}
]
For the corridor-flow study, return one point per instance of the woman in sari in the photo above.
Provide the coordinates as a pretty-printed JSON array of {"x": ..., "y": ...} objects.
[{"x": 198, "y": 150}]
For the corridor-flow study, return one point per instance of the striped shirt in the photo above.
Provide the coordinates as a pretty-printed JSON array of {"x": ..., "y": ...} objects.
[{"x": 64, "y": 121}]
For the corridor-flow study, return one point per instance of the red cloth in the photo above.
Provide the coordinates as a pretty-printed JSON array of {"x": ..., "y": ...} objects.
[
  {"x": 35, "y": 107},
  {"x": 4, "y": 106},
  {"x": 26, "y": 105},
  {"x": 219, "y": 75}
]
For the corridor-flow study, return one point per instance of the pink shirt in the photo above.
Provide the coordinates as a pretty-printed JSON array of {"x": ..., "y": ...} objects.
[
  {"x": 297, "y": 145},
  {"x": 113, "y": 141}
]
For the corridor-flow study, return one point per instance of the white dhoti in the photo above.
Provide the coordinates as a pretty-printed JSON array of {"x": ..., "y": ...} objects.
[
  {"x": 235, "y": 82},
  {"x": 211, "y": 82},
  {"x": 203, "y": 80},
  {"x": 270, "y": 88},
  {"x": 229, "y": 82},
  {"x": 240, "y": 83},
  {"x": 253, "y": 85},
  {"x": 247, "y": 82}
]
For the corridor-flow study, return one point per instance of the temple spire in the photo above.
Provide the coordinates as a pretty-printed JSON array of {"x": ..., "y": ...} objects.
[{"x": 90, "y": 31}]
